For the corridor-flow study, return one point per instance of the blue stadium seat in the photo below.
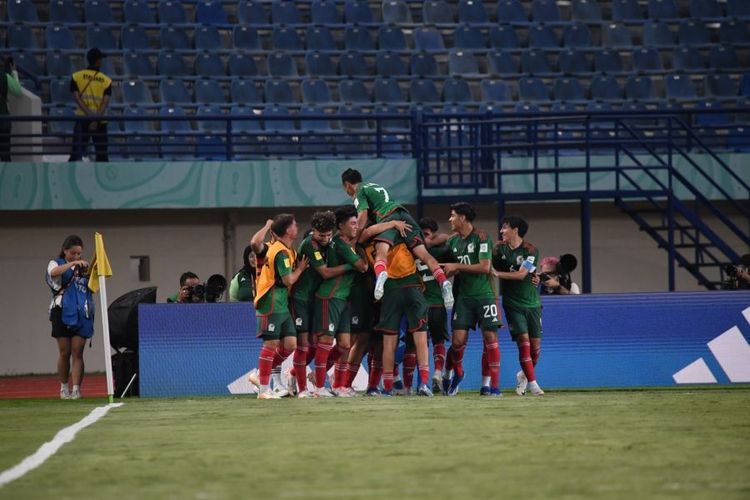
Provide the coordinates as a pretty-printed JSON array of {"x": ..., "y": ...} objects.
[
  {"x": 532, "y": 89},
  {"x": 60, "y": 38},
  {"x": 738, "y": 8},
  {"x": 536, "y": 62},
  {"x": 283, "y": 12},
  {"x": 353, "y": 64},
  {"x": 679, "y": 87},
  {"x": 391, "y": 124},
  {"x": 511, "y": 11},
  {"x": 745, "y": 84},
  {"x": 353, "y": 125},
  {"x": 177, "y": 143},
  {"x": 720, "y": 86},
  {"x": 390, "y": 64},
  {"x": 428, "y": 39},
  {"x": 171, "y": 12},
  {"x": 569, "y": 90},
  {"x": 245, "y": 92},
  {"x": 174, "y": 92},
  {"x": 208, "y": 38},
  {"x": 320, "y": 38},
  {"x": 136, "y": 92},
  {"x": 502, "y": 63},
  {"x": 62, "y": 127},
  {"x": 63, "y": 11},
  {"x": 391, "y": 38},
  {"x": 21, "y": 37},
  {"x": 102, "y": 38},
  {"x": 208, "y": 64},
  {"x": 423, "y": 91},
  {"x": 242, "y": 65},
  {"x": 437, "y": 12},
  {"x": 576, "y": 35},
  {"x": 134, "y": 37},
  {"x": 734, "y": 32},
  {"x": 606, "y": 88},
  {"x": 173, "y": 64},
  {"x": 545, "y": 11},
  {"x": 396, "y": 12},
  {"x": 279, "y": 111},
  {"x": 688, "y": 60},
  {"x": 724, "y": 58},
  {"x": 456, "y": 90},
  {"x": 208, "y": 91},
  {"x": 358, "y": 11},
  {"x": 387, "y": 90},
  {"x": 278, "y": 91},
  {"x": 542, "y": 36},
  {"x": 639, "y": 88},
  {"x": 353, "y": 91},
  {"x": 468, "y": 37},
  {"x": 252, "y": 12},
  {"x": 472, "y": 11},
  {"x": 315, "y": 91},
  {"x": 247, "y": 122},
  {"x": 318, "y": 64},
  {"x": 704, "y": 9},
  {"x": 171, "y": 110},
  {"x": 692, "y": 32},
  {"x": 608, "y": 61},
  {"x": 358, "y": 38},
  {"x": 503, "y": 37},
  {"x": 616, "y": 35},
  {"x": 662, "y": 9},
  {"x": 210, "y": 13},
  {"x": 138, "y": 12},
  {"x": 137, "y": 65},
  {"x": 172, "y": 38},
  {"x": 423, "y": 64},
  {"x": 22, "y": 11},
  {"x": 212, "y": 145},
  {"x": 137, "y": 126},
  {"x": 462, "y": 63},
  {"x": 586, "y": 10},
  {"x": 98, "y": 11},
  {"x": 59, "y": 90},
  {"x": 626, "y": 10},
  {"x": 657, "y": 34},
  {"x": 281, "y": 64},
  {"x": 496, "y": 91},
  {"x": 647, "y": 60},
  {"x": 574, "y": 62},
  {"x": 325, "y": 12},
  {"x": 27, "y": 62},
  {"x": 245, "y": 37},
  {"x": 58, "y": 64},
  {"x": 309, "y": 124},
  {"x": 286, "y": 38}
]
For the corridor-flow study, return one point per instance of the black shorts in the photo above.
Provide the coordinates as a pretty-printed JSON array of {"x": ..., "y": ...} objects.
[{"x": 60, "y": 329}]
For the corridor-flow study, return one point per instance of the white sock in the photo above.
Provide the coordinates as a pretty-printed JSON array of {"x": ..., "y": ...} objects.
[
  {"x": 76, "y": 388},
  {"x": 533, "y": 384},
  {"x": 438, "y": 374},
  {"x": 262, "y": 388},
  {"x": 276, "y": 376},
  {"x": 485, "y": 381},
  {"x": 63, "y": 387}
]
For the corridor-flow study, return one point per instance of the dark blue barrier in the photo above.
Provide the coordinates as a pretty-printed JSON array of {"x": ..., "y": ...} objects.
[{"x": 625, "y": 340}]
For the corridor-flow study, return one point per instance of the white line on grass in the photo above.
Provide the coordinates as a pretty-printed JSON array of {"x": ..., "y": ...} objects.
[{"x": 49, "y": 448}]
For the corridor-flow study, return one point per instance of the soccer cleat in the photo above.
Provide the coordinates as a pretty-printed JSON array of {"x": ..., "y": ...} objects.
[
  {"x": 447, "y": 291},
  {"x": 64, "y": 393},
  {"x": 77, "y": 394},
  {"x": 268, "y": 394},
  {"x": 380, "y": 285},
  {"x": 495, "y": 392},
  {"x": 306, "y": 394},
  {"x": 322, "y": 392},
  {"x": 437, "y": 385},
  {"x": 373, "y": 391},
  {"x": 485, "y": 390},
  {"x": 424, "y": 391},
  {"x": 521, "y": 383},
  {"x": 281, "y": 392},
  {"x": 455, "y": 383},
  {"x": 345, "y": 392},
  {"x": 386, "y": 394},
  {"x": 533, "y": 389},
  {"x": 291, "y": 382},
  {"x": 254, "y": 379},
  {"x": 446, "y": 384}
]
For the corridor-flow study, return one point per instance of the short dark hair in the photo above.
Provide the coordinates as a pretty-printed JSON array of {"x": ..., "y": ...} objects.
[
  {"x": 351, "y": 175},
  {"x": 187, "y": 275},
  {"x": 344, "y": 213},
  {"x": 70, "y": 242},
  {"x": 516, "y": 222},
  {"x": 463, "y": 208},
  {"x": 428, "y": 223},
  {"x": 281, "y": 223},
  {"x": 323, "y": 221}
]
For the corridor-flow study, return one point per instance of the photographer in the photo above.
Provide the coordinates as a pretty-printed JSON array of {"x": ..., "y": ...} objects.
[
  {"x": 188, "y": 282},
  {"x": 9, "y": 84},
  {"x": 738, "y": 276},
  {"x": 554, "y": 281}
]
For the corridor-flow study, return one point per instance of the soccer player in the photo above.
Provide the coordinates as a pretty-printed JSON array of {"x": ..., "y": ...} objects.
[
  {"x": 332, "y": 317},
  {"x": 476, "y": 302},
  {"x": 274, "y": 323},
  {"x": 373, "y": 200},
  {"x": 514, "y": 261}
]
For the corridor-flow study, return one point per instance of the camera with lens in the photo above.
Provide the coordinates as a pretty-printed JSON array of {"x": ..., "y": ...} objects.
[
  {"x": 734, "y": 272},
  {"x": 210, "y": 291}
]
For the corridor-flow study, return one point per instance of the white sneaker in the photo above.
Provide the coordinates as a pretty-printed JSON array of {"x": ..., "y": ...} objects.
[
  {"x": 345, "y": 392},
  {"x": 322, "y": 392},
  {"x": 380, "y": 285},
  {"x": 281, "y": 392},
  {"x": 75, "y": 395},
  {"x": 268, "y": 394},
  {"x": 447, "y": 291},
  {"x": 64, "y": 393},
  {"x": 306, "y": 394},
  {"x": 521, "y": 383},
  {"x": 254, "y": 379},
  {"x": 291, "y": 382},
  {"x": 535, "y": 389}
]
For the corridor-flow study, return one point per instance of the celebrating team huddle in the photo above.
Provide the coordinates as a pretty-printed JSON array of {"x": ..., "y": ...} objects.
[{"x": 367, "y": 271}]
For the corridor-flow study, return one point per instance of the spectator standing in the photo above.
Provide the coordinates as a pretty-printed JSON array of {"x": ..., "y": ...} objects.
[{"x": 91, "y": 91}]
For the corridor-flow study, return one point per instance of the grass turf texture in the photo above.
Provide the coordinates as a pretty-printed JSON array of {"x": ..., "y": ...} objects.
[{"x": 670, "y": 444}]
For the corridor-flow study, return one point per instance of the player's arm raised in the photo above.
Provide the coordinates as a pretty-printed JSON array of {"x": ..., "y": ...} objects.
[{"x": 259, "y": 238}]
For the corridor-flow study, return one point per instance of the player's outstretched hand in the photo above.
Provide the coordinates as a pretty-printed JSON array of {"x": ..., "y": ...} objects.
[
  {"x": 402, "y": 227},
  {"x": 303, "y": 262}
]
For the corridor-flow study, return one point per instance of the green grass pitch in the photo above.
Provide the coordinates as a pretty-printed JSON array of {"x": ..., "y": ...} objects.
[{"x": 593, "y": 444}]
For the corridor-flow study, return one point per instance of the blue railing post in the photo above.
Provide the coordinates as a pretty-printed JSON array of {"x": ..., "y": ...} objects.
[
  {"x": 378, "y": 138},
  {"x": 586, "y": 242},
  {"x": 229, "y": 151}
]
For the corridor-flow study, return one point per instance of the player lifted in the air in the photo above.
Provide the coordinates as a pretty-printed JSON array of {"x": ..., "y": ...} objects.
[{"x": 373, "y": 200}]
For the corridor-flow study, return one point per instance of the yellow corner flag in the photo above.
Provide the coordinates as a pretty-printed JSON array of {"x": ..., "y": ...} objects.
[{"x": 99, "y": 264}]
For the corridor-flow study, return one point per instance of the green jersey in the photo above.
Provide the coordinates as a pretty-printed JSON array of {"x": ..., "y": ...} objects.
[
  {"x": 471, "y": 250},
  {"x": 376, "y": 199},
  {"x": 310, "y": 280},
  {"x": 432, "y": 291},
  {"x": 277, "y": 299},
  {"x": 517, "y": 293},
  {"x": 339, "y": 252}
]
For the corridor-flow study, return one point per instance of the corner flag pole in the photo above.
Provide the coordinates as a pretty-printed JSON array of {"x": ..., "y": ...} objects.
[{"x": 100, "y": 269}]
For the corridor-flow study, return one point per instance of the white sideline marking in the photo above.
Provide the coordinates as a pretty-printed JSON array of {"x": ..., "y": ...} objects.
[{"x": 49, "y": 448}]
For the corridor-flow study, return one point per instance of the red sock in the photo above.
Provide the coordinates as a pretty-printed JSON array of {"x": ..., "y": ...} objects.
[
  {"x": 387, "y": 381},
  {"x": 493, "y": 363},
  {"x": 449, "y": 360},
  {"x": 351, "y": 372},
  {"x": 524, "y": 357},
  {"x": 311, "y": 353},
  {"x": 265, "y": 364},
  {"x": 321, "y": 360},
  {"x": 485, "y": 363},
  {"x": 339, "y": 375},
  {"x": 333, "y": 357},
  {"x": 439, "y": 275},
  {"x": 458, "y": 360},
  {"x": 379, "y": 267},
  {"x": 410, "y": 364},
  {"x": 376, "y": 369},
  {"x": 424, "y": 374},
  {"x": 279, "y": 355},
  {"x": 535, "y": 355},
  {"x": 438, "y": 356},
  {"x": 300, "y": 368}
]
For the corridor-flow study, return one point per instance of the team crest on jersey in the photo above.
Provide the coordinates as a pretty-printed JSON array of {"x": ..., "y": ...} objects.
[
  {"x": 298, "y": 322},
  {"x": 519, "y": 260},
  {"x": 355, "y": 320},
  {"x": 287, "y": 263},
  {"x": 318, "y": 256},
  {"x": 471, "y": 247},
  {"x": 331, "y": 327},
  {"x": 271, "y": 327},
  {"x": 455, "y": 316},
  {"x": 483, "y": 247}
]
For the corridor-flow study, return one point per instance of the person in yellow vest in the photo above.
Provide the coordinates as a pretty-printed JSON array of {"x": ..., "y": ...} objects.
[
  {"x": 274, "y": 323},
  {"x": 91, "y": 91}
]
